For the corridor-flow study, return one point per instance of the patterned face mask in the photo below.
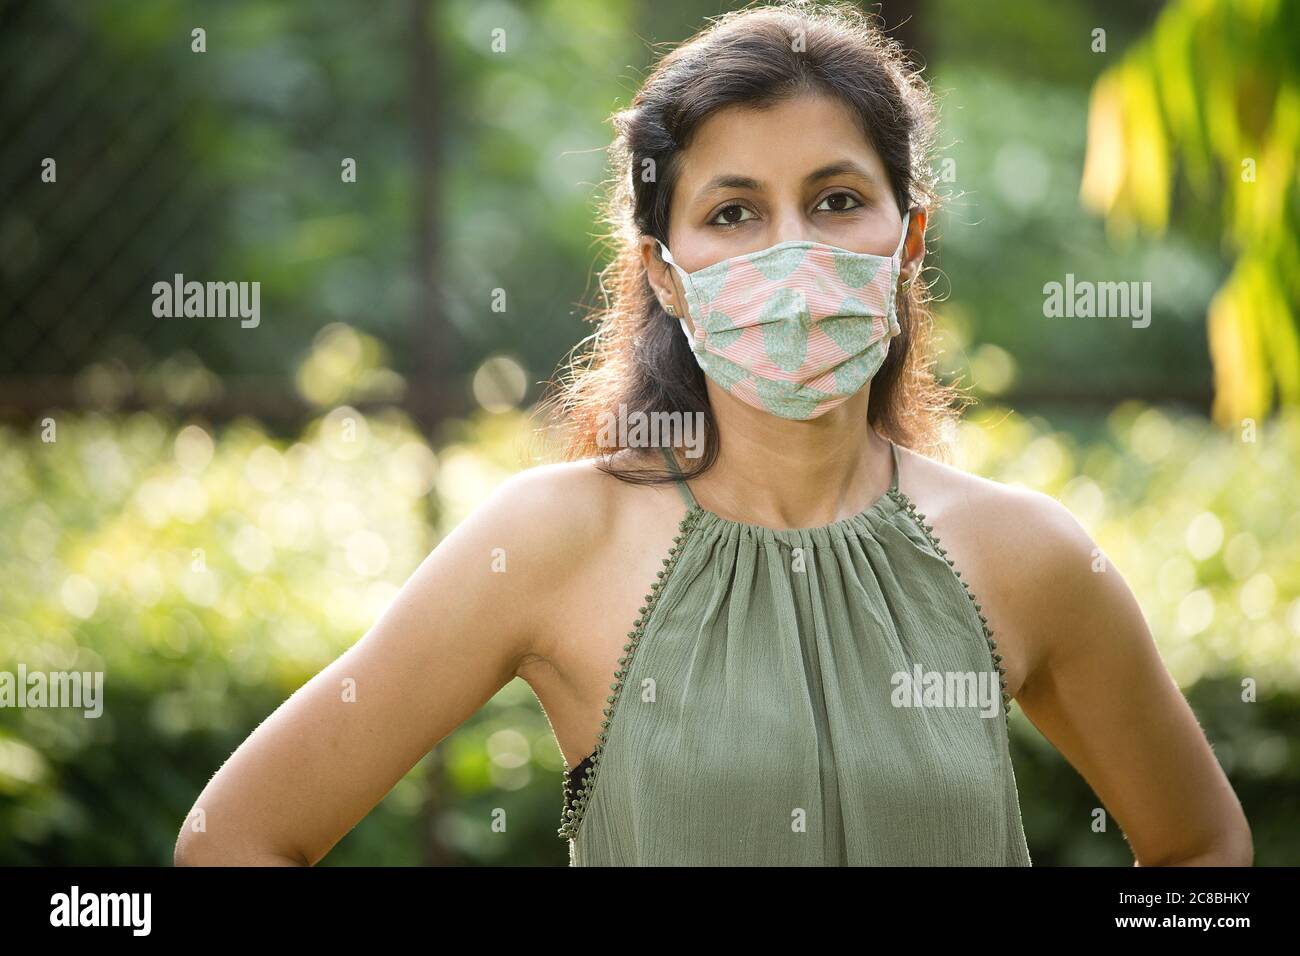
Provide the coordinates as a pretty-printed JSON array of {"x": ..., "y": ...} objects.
[{"x": 794, "y": 329}]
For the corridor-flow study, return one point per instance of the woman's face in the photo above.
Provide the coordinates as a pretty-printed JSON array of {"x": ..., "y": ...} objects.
[{"x": 798, "y": 170}]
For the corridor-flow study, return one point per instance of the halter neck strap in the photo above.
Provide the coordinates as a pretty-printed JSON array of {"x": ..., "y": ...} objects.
[{"x": 682, "y": 488}]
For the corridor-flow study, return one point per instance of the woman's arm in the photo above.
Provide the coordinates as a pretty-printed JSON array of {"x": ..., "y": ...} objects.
[
  {"x": 458, "y": 631},
  {"x": 1101, "y": 694}
]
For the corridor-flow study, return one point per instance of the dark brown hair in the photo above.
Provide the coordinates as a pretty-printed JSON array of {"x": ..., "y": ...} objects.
[{"x": 754, "y": 57}]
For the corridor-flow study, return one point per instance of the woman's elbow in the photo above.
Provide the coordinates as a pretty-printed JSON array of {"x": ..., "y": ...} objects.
[
  {"x": 1232, "y": 848},
  {"x": 197, "y": 848}
]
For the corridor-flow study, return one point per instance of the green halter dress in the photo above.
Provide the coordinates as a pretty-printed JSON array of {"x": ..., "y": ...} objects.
[{"x": 821, "y": 696}]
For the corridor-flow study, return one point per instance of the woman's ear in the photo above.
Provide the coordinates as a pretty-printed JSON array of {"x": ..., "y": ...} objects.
[
  {"x": 659, "y": 274},
  {"x": 913, "y": 244}
]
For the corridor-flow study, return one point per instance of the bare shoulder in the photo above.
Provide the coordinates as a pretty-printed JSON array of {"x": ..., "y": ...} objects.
[
  {"x": 567, "y": 513},
  {"x": 1040, "y": 574},
  {"x": 1038, "y": 529},
  {"x": 574, "y": 538}
]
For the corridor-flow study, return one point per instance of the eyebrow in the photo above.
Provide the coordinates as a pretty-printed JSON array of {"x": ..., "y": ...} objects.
[{"x": 838, "y": 168}]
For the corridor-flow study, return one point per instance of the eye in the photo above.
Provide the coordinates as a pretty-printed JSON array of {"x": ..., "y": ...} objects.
[
  {"x": 839, "y": 196},
  {"x": 726, "y": 214}
]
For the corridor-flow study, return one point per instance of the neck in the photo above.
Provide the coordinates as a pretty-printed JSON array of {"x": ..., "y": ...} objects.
[{"x": 794, "y": 474}]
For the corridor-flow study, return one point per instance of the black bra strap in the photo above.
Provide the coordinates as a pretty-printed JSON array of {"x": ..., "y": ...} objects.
[{"x": 682, "y": 488}]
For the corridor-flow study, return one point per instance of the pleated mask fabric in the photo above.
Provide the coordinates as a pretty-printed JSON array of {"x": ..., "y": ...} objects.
[{"x": 794, "y": 329}]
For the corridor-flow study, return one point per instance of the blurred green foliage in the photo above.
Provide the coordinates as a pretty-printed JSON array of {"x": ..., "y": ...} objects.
[{"x": 1210, "y": 101}]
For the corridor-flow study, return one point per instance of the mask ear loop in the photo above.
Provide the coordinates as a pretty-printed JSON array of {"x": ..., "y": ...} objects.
[
  {"x": 665, "y": 254},
  {"x": 681, "y": 319},
  {"x": 902, "y": 241},
  {"x": 668, "y": 258}
]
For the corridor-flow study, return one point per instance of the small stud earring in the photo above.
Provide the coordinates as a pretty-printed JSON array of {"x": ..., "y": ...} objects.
[{"x": 668, "y": 307}]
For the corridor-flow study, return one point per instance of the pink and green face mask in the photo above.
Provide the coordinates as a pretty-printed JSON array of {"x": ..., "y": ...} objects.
[{"x": 794, "y": 329}]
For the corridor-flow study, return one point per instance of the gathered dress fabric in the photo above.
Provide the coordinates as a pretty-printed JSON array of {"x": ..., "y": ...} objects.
[{"x": 755, "y": 718}]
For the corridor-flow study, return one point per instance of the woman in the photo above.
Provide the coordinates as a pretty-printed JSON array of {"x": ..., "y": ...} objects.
[{"x": 808, "y": 677}]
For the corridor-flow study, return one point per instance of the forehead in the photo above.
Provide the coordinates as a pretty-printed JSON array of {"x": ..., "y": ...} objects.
[{"x": 778, "y": 145}]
